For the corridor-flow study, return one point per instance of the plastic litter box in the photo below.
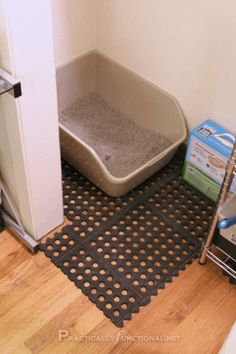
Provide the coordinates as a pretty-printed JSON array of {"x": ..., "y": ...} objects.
[{"x": 151, "y": 114}]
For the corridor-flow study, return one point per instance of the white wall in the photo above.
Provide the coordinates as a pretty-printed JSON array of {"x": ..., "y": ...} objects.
[
  {"x": 29, "y": 137},
  {"x": 186, "y": 47},
  {"x": 74, "y": 24}
]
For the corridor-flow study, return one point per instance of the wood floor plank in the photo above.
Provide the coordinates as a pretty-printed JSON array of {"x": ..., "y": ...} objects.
[
  {"x": 37, "y": 300},
  {"x": 22, "y": 289},
  {"x": 36, "y": 309},
  {"x": 216, "y": 326},
  {"x": 183, "y": 313},
  {"x": 13, "y": 254},
  {"x": 16, "y": 348},
  {"x": 16, "y": 276},
  {"x": 90, "y": 318},
  {"x": 63, "y": 320},
  {"x": 170, "y": 305},
  {"x": 63, "y": 346},
  {"x": 101, "y": 340},
  {"x": 106, "y": 337}
]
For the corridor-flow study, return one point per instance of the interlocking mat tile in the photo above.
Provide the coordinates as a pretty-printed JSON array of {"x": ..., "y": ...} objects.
[{"x": 120, "y": 251}]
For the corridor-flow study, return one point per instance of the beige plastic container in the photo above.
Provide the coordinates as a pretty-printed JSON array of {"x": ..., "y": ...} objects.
[{"x": 149, "y": 106}]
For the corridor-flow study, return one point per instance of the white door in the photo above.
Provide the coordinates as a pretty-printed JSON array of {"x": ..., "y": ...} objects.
[{"x": 29, "y": 139}]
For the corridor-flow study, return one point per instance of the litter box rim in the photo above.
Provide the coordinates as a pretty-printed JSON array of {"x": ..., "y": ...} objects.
[{"x": 120, "y": 180}]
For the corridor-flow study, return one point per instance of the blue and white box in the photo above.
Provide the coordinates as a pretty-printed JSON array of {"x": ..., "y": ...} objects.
[{"x": 209, "y": 149}]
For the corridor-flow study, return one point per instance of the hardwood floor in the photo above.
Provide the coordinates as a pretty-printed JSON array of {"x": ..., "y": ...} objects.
[{"x": 37, "y": 301}]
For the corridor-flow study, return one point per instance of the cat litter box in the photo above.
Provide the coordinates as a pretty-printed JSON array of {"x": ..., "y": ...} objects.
[{"x": 115, "y": 128}]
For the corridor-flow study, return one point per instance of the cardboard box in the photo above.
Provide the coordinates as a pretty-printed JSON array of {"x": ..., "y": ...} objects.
[{"x": 209, "y": 149}]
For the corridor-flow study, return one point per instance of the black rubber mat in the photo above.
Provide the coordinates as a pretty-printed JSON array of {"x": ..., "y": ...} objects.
[{"x": 120, "y": 251}]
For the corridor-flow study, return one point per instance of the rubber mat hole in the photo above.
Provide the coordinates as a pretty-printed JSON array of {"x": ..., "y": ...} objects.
[
  {"x": 116, "y": 299},
  {"x": 109, "y": 306},
  {"x": 116, "y": 313},
  {"x": 150, "y": 282}
]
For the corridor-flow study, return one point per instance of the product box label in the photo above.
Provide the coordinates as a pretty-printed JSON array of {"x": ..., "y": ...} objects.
[{"x": 209, "y": 149}]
